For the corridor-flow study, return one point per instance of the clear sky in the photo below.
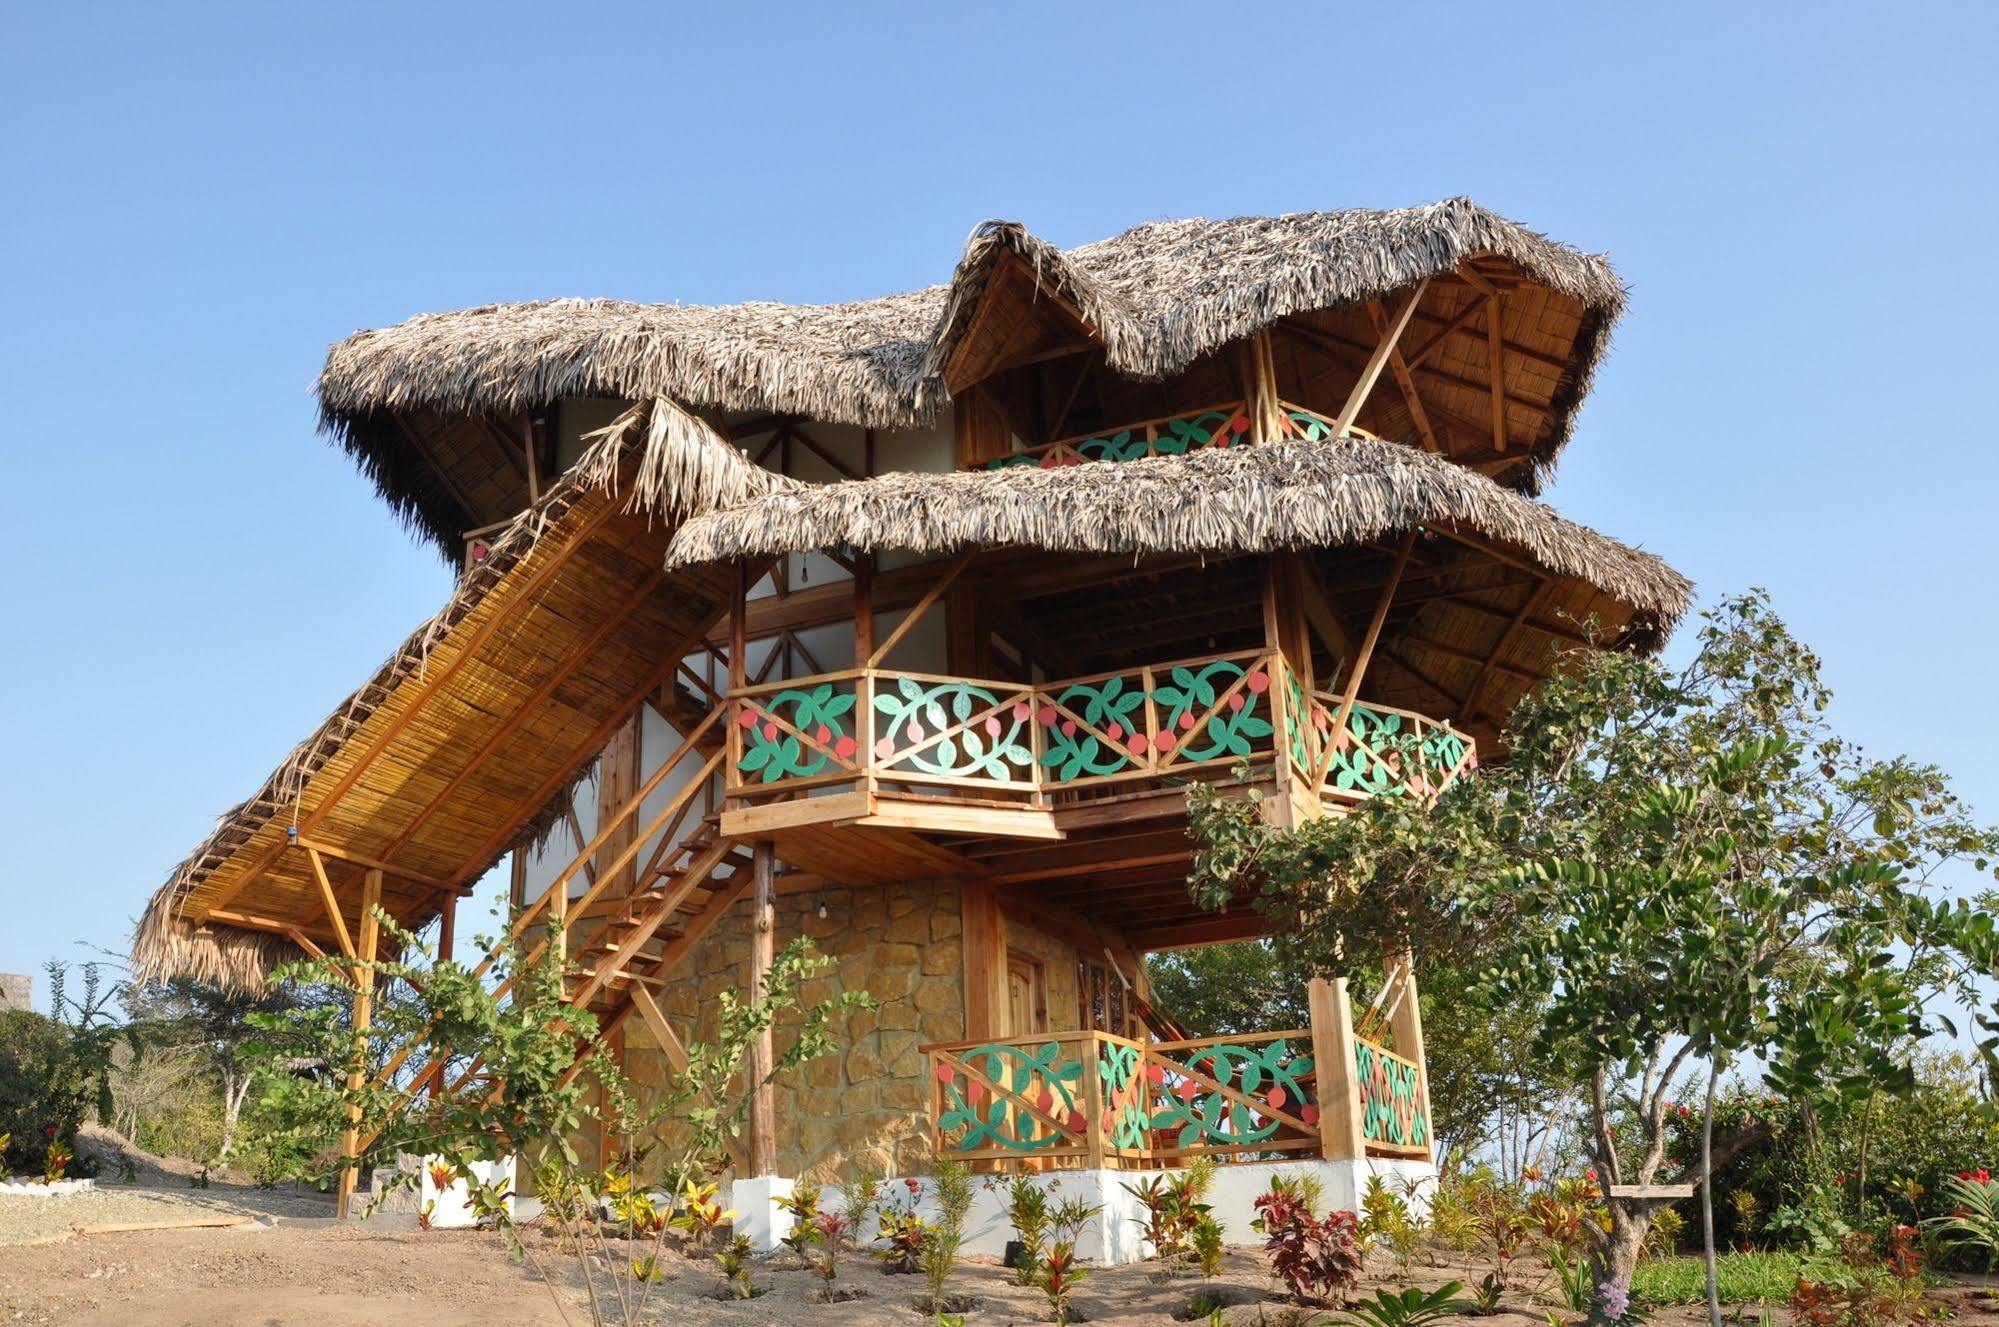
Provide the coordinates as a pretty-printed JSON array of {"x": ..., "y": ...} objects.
[{"x": 196, "y": 200}]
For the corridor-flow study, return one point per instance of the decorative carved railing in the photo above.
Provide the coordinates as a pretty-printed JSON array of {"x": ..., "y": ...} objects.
[
  {"x": 1394, "y": 1116},
  {"x": 1103, "y": 1101},
  {"x": 1222, "y": 425},
  {"x": 1030, "y": 741},
  {"x": 1383, "y": 752},
  {"x": 1097, "y": 1099}
]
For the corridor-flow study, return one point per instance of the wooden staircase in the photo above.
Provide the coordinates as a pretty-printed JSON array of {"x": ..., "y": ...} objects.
[{"x": 634, "y": 940}]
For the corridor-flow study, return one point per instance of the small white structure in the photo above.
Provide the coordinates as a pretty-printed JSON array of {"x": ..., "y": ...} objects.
[
  {"x": 451, "y": 1206},
  {"x": 27, "y": 1188},
  {"x": 1113, "y": 1235}
]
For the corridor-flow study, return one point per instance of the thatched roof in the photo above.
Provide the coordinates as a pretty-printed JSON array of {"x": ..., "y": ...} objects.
[
  {"x": 1157, "y": 297},
  {"x": 1225, "y": 502},
  {"x": 514, "y": 627}
]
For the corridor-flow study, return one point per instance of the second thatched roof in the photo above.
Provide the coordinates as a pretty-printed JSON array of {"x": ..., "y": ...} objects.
[{"x": 1221, "y": 501}]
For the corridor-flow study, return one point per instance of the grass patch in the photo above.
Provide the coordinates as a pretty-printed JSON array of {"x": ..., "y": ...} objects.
[{"x": 1745, "y": 1278}]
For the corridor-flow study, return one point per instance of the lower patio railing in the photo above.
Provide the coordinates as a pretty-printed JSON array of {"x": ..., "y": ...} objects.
[{"x": 1099, "y": 1101}]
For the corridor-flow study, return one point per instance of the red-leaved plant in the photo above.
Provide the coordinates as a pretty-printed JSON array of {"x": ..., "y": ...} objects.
[{"x": 1315, "y": 1257}]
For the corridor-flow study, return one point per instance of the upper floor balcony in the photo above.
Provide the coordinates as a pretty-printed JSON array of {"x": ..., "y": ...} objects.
[{"x": 924, "y": 751}]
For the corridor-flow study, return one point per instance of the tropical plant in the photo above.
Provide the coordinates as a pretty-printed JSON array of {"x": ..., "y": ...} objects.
[
  {"x": 701, "y": 1212},
  {"x": 1316, "y": 1258},
  {"x": 56, "y": 1161},
  {"x": 537, "y": 1054},
  {"x": 1486, "y": 1293},
  {"x": 802, "y": 1204},
  {"x": 1411, "y": 1307},
  {"x": 1385, "y": 1219},
  {"x": 903, "y": 1235},
  {"x": 834, "y": 1228},
  {"x": 1209, "y": 1249},
  {"x": 1027, "y": 1212},
  {"x": 734, "y": 1260},
  {"x": 1972, "y": 1225},
  {"x": 951, "y": 1183},
  {"x": 1058, "y": 1275}
]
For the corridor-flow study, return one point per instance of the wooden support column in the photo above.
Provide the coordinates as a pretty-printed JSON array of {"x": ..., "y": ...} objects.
[
  {"x": 1340, "y": 1132},
  {"x": 364, "y": 1014},
  {"x": 1277, "y": 808},
  {"x": 1405, "y": 1023},
  {"x": 984, "y": 939},
  {"x": 447, "y": 925},
  {"x": 763, "y": 951}
]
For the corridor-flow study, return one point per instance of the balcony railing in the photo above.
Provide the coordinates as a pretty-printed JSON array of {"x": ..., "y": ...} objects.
[
  {"x": 1092, "y": 1099},
  {"x": 1024, "y": 743},
  {"x": 1223, "y": 425}
]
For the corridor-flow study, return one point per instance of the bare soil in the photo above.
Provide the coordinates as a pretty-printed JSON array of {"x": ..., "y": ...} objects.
[{"x": 312, "y": 1272}]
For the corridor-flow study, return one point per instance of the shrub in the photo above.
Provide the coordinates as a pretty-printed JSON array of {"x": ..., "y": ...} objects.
[
  {"x": 952, "y": 1182},
  {"x": 38, "y": 1090},
  {"x": 1315, "y": 1257},
  {"x": 1027, "y": 1211}
]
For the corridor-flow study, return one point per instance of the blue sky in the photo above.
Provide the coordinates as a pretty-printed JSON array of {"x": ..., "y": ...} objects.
[{"x": 198, "y": 200}]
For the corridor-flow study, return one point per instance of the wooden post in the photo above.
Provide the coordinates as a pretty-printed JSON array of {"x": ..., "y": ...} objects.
[
  {"x": 763, "y": 951},
  {"x": 984, "y": 938},
  {"x": 1340, "y": 1135},
  {"x": 447, "y": 926},
  {"x": 364, "y": 1015},
  {"x": 1405, "y": 1022},
  {"x": 1093, "y": 1102},
  {"x": 1277, "y": 808}
]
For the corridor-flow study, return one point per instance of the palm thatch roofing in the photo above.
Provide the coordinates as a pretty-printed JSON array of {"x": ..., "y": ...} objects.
[
  {"x": 1156, "y": 297},
  {"x": 468, "y": 736},
  {"x": 1291, "y": 495}
]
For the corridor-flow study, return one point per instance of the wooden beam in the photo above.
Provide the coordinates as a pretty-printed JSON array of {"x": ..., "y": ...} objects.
[
  {"x": 1405, "y": 381},
  {"x": 923, "y": 606},
  {"x": 366, "y": 862},
  {"x": 1456, "y": 323},
  {"x": 1527, "y": 607},
  {"x": 1496, "y": 359},
  {"x": 1358, "y": 671},
  {"x": 1383, "y": 348},
  {"x": 326, "y": 897}
]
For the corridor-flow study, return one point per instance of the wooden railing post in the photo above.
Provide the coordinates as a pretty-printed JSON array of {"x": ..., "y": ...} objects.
[
  {"x": 1340, "y": 1124},
  {"x": 1093, "y": 1101},
  {"x": 1405, "y": 1022}
]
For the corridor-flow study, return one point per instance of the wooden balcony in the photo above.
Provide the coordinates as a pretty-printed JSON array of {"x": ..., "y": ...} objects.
[
  {"x": 1098, "y": 1101},
  {"x": 952, "y": 755},
  {"x": 1221, "y": 425}
]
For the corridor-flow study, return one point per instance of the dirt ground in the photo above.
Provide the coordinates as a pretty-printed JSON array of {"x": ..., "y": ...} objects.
[{"x": 302, "y": 1272}]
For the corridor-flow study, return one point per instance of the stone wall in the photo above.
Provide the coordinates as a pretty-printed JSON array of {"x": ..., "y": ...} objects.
[
  {"x": 1058, "y": 969},
  {"x": 901, "y": 943},
  {"x": 16, "y": 990}
]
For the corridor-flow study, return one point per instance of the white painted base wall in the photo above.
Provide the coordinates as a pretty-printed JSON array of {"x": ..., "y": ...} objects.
[
  {"x": 454, "y": 1209},
  {"x": 1113, "y": 1236}
]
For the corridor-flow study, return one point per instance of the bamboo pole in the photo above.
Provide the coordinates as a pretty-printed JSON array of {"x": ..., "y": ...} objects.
[
  {"x": 1341, "y": 1135},
  {"x": 364, "y": 1013}
]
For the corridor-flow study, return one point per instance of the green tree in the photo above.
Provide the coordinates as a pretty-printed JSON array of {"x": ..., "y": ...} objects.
[
  {"x": 213, "y": 1024},
  {"x": 1677, "y": 868}
]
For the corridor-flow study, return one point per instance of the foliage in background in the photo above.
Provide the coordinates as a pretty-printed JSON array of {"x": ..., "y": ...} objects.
[
  {"x": 1675, "y": 866},
  {"x": 526, "y": 1104}
]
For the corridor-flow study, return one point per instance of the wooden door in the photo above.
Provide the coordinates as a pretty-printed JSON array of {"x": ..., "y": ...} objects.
[{"x": 1026, "y": 995}]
